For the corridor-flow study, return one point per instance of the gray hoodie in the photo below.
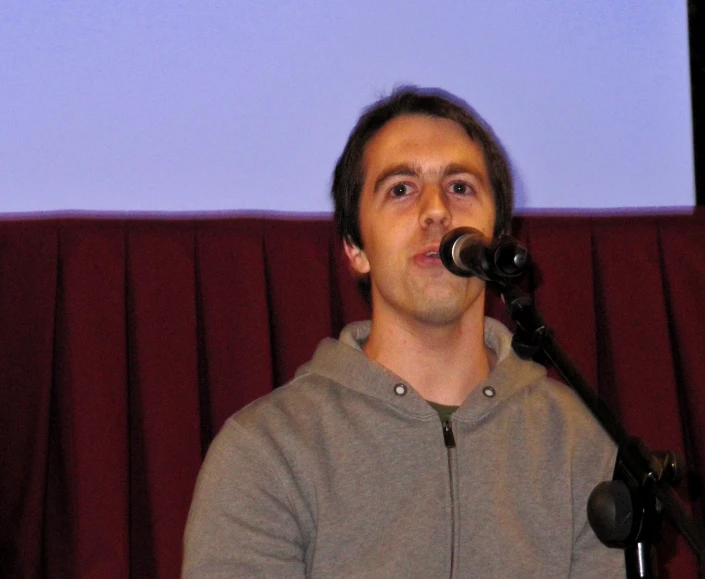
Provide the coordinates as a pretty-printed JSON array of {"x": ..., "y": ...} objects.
[{"x": 346, "y": 472}]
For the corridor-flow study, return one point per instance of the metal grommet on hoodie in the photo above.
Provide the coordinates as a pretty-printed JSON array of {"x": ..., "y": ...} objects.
[
  {"x": 489, "y": 391},
  {"x": 400, "y": 389}
]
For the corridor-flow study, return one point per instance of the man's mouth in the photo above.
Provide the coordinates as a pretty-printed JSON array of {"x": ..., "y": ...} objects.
[{"x": 429, "y": 256}]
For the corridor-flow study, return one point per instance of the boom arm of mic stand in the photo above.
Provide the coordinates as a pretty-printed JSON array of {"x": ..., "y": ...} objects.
[{"x": 532, "y": 336}]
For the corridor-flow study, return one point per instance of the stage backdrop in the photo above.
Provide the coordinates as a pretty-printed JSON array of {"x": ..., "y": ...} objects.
[
  {"x": 125, "y": 344},
  {"x": 221, "y": 104}
]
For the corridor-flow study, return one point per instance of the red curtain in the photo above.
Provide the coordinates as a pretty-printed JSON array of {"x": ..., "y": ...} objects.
[{"x": 125, "y": 344}]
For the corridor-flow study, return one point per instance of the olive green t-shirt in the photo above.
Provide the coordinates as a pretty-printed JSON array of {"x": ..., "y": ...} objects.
[{"x": 444, "y": 412}]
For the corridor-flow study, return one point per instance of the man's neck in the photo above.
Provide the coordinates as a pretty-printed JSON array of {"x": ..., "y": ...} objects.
[{"x": 443, "y": 363}]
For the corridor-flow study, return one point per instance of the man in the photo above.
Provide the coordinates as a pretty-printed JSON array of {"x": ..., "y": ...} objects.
[{"x": 417, "y": 445}]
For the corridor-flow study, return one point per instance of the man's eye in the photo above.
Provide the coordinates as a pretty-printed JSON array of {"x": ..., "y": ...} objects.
[
  {"x": 400, "y": 190},
  {"x": 461, "y": 188}
]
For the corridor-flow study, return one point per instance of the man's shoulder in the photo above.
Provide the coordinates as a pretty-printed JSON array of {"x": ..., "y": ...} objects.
[
  {"x": 550, "y": 391},
  {"x": 560, "y": 415},
  {"x": 557, "y": 397},
  {"x": 310, "y": 382},
  {"x": 303, "y": 395}
]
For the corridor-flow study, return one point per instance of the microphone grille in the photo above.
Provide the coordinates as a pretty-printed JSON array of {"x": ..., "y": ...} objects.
[{"x": 451, "y": 245}]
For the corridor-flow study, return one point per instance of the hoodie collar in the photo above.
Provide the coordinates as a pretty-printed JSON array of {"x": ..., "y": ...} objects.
[{"x": 344, "y": 362}]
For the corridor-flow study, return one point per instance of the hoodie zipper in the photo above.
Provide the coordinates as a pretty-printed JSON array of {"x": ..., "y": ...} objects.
[{"x": 449, "y": 440}]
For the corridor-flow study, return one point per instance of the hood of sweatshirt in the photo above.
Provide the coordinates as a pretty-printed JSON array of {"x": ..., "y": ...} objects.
[{"x": 344, "y": 362}]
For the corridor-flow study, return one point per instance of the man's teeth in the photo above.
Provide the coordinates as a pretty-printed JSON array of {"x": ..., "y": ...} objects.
[{"x": 432, "y": 254}]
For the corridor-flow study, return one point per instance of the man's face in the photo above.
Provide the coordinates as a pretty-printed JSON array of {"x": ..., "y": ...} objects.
[{"x": 423, "y": 177}]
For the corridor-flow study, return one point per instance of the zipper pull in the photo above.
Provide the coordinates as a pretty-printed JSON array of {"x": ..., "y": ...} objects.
[{"x": 448, "y": 437}]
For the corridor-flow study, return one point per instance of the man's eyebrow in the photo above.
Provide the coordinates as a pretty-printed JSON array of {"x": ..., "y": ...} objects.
[
  {"x": 401, "y": 169},
  {"x": 457, "y": 168},
  {"x": 477, "y": 172}
]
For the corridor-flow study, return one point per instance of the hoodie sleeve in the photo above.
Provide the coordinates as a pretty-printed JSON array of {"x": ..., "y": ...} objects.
[
  {"x": 241, "y": 522},
  {"x": 593, "y": 463}
]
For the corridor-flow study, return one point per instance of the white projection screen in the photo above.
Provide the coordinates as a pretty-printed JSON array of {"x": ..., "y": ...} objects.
[{"x": 210, "y": 105}]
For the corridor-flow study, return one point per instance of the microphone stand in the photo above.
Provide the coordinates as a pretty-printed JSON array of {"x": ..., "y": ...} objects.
[{"x": 626, "y": 512}]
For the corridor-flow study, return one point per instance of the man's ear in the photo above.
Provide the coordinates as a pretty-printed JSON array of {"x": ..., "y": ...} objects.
[{"x": 357, "y": 258}]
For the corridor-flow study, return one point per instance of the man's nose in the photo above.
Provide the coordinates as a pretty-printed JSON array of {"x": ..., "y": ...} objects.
[{"x": 434, "y": 207}]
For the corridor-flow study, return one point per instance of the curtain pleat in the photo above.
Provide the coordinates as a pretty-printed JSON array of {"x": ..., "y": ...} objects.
[
  {"x": 636, "y": 369},
  {"x": 90, "y": 404},
  {"x": 27, "y": 294},
  {"x": 165, "y": 435},
  {"x": 126, "y": 344},
  {"x": 297, "y": 260},
  {"x": 235, "y": 314},
  {"x": 564, "y": 287},
  {"x": 683, "y": 257},
  {"x": 640, "y": 374}
]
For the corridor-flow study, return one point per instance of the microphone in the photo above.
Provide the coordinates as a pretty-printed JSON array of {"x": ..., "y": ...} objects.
[{"x": 465, "y": 252}]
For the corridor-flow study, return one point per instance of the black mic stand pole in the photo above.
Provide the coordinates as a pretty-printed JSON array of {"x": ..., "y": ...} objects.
[{"x": 627, "y": 511}]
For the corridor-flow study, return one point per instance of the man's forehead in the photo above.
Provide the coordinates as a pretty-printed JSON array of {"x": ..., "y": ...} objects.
[
  {"x": 423, "y": 143},
  {"x": 410, "y": 129}
]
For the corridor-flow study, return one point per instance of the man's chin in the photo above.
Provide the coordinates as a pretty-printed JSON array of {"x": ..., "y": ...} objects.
[
  {"x": 447, "y": 307},
  {"x": 440, "y": 313}
]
